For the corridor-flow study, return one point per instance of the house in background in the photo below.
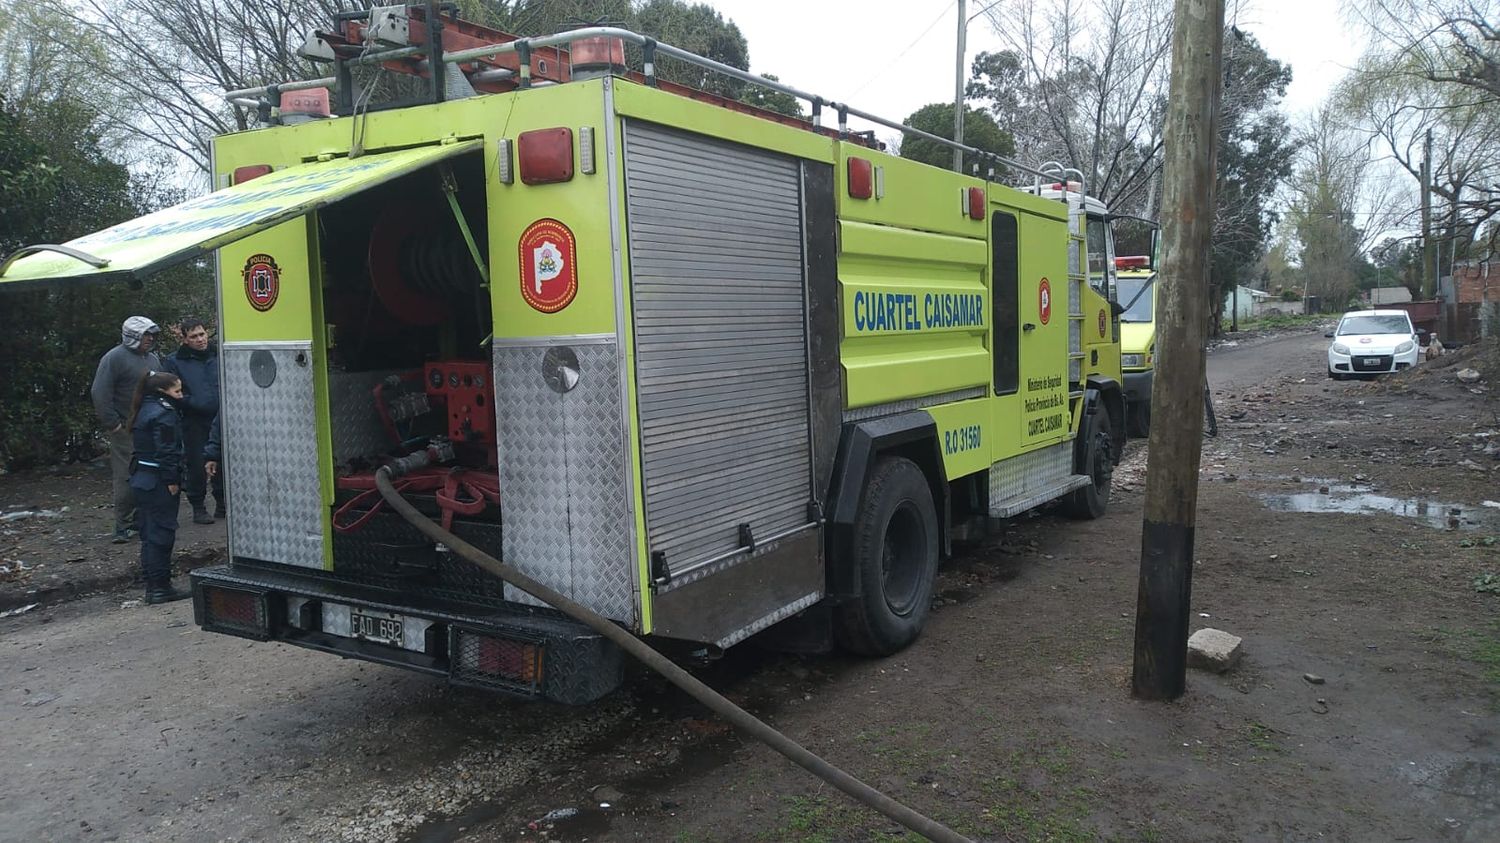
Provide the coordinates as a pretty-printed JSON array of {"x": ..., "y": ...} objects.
[
  {"x": 1253, "y": 303},
  {"x": 1471, "y": 301}
]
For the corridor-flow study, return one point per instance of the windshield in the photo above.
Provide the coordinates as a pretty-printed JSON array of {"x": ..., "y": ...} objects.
[
  {"x": 1130, "y": 290},
  {"x": 1396, "y": 324}
]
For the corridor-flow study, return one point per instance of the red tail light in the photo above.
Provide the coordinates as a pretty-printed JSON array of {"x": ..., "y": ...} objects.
[
  {"x": 235, "y": 611},
  {"x": 546, "y": 155},
  {"x": 497, "y": 662},
  {"x": 253, "y": 171},
  {"x": 977, "y": 201},
  {"x": 1133, "y": 262},
  {"x": 861, "y": 178}
]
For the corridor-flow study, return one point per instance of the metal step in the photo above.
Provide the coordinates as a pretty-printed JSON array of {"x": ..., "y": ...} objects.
[{"x": 1027, "y": 500}]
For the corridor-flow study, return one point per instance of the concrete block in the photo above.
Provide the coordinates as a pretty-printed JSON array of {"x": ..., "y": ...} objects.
[{"x": 1213, "y": 649}]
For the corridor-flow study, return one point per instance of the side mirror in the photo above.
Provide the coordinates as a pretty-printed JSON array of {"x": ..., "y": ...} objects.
[{"x": 1117, "y": 307}]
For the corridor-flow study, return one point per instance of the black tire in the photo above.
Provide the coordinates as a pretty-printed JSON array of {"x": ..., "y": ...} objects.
[
  {"x": 1335, "y": 375},
  {"x": 1138, "y": 420},
  {"x": 1093, "y": 456},
  {"x": 895, "y": 553}
]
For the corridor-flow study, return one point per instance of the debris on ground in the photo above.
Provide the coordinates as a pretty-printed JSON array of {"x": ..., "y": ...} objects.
[
  {"x": 1213, "y": 649},
  {"x": 19, "y": 611},
  {"x": 1467, "y": 375}
]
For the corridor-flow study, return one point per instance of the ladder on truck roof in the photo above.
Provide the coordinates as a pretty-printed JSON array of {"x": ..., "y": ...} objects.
[{"x": 477, "y": 59}]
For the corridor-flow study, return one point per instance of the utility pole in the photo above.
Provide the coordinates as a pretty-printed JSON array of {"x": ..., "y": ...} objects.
[
  {"x": 1429, "y": 248},
  {"x": 958, "y": 89},
  {"x": 1191, "y": 133}
]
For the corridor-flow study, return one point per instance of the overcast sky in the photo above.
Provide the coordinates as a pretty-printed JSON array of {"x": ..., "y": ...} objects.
[{"x": 892, "y": 58}]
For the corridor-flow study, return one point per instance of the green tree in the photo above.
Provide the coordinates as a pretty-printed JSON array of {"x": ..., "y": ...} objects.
[
  {"x": 59, "y": 185},
  {"x": 781, "y": 103},
  {"x": 1256, "y": 154},
  {"x": 701, "y": 29},
  {"x": 980, "y": 132}
]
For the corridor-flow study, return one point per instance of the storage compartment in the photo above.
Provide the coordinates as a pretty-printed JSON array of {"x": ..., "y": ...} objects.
[{"x": 407, "y": 320}]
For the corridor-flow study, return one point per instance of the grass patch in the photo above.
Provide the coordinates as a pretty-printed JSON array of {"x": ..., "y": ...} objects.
[
  {"x": 1284, "y": 321},
  {"x": 1480, "y": 646},
  {"x": 1040, "y": 798},
  {"x": 1262, "y": 738},
  {"x": 817, "y": 819}
]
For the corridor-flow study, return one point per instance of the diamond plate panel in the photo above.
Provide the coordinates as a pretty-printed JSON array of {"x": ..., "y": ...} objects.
[
  {"x": 1019, "y": 476},
  {"x": 353, "y": 420},
  {"x": 562, "y": 478},
  {"x": 271, "y": 444}
]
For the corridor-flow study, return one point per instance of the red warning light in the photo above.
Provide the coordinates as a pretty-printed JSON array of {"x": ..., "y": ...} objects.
[{"x": 861, "y": 178}]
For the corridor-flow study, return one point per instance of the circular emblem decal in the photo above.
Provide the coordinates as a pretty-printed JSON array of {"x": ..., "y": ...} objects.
[
  {"x": 1103, "y": 321},
  {"x": 549, "y": 266},
  {"x": 262, "y": 281},
  {"x": 1044, "y": 301}
]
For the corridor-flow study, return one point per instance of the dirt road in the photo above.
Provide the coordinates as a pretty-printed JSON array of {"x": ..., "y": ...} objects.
[{"x": 1365, "y": 709}]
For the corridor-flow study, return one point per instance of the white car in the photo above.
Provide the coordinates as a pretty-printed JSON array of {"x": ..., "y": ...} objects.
[{"x": 1372, "y": 342}]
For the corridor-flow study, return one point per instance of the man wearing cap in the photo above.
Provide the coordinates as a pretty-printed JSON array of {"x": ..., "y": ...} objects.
[{"x": 120, "y": 371}]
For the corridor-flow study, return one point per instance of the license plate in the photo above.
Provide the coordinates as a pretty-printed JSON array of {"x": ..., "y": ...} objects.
[
  {"x": 382, "y": 630},
  {"x": 1370, "y": 364}
]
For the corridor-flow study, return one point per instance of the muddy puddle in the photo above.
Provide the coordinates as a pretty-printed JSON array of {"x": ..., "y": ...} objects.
[{"x": 1361, "y": 500}]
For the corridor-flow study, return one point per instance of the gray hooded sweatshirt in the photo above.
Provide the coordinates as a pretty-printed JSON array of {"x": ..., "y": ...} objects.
[{"x": 120, "y": 371}]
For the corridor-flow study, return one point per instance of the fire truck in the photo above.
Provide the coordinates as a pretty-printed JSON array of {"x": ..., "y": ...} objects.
[{"x": 707, "y": 370}]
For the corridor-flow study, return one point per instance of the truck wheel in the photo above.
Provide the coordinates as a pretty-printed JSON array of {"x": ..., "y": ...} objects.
[
  {"x": 895, "y": 553},
  {"x": 1095, "y": 460}
]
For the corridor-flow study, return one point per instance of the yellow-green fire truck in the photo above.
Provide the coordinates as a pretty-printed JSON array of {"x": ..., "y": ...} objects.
[
  {"x": 705, "y": 369},
  {"x": 1137, "y": 296}
]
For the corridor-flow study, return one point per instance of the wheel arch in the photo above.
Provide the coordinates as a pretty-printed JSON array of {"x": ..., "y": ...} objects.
[
  {"x": 1107, "y": 394},
  {"x": 912, "y": 435}
]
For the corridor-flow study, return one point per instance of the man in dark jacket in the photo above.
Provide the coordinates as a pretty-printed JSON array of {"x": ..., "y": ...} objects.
[
  {"x": 197, "y": 363},
  {"x": 120, "y": 371}
]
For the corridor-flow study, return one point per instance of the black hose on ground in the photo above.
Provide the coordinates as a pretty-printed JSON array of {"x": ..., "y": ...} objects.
[{"x": 738, "y": 717}]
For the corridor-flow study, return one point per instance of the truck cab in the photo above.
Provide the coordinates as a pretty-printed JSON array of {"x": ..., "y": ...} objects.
[{"x": 1137, "y": 295}]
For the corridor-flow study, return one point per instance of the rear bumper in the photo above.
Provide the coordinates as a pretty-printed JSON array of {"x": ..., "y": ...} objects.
[{"x": 515, "y": 649}]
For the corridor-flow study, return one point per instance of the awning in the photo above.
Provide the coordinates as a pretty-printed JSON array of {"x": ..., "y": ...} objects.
[{"x": 146, "y": 245}]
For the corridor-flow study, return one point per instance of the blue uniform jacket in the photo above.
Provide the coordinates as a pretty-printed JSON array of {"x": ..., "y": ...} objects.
[
  {"x": 157, "y": 440},
  {"x": 199, "y": 371}
]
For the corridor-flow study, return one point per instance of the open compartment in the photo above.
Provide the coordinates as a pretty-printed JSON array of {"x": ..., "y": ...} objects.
[{"x": 407, "y": 319}]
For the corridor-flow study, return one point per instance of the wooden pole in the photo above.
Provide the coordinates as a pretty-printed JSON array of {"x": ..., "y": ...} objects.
[
  {"x": 1190, "y": 136},
  {"x": 1429, "y": 246}
]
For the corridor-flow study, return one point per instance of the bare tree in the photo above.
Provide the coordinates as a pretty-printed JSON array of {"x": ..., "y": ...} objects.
[
  {"x": 1434, "y": 69},
  {"x": 1340, "y": 207},
  {"x": 171, "y": 62},
  {"x": 1093, "y": 80},
  {"x": 1448, "y": 42}
]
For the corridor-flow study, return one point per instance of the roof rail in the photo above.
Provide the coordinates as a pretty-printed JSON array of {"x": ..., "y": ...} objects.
[{"x": 251, "y": 97}]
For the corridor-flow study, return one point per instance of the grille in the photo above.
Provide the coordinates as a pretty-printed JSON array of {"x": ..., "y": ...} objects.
[
  {"x": 233, "y": 610},
  {"x": 1372, "y": 363},
  {"x": 503, "y": 664}
]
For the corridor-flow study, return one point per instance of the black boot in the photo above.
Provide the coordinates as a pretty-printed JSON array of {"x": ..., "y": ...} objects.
[
  {"x": 200, "y": 513},
  {"x": 162, "y": 591}
]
